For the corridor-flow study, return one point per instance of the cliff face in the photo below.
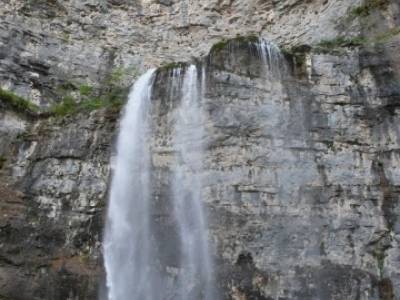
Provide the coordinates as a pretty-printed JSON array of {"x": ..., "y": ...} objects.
[
  {"x": 53, "y": 190},
  {"x": 55, "y": 43},
  {"x": 303, "y": 169}
]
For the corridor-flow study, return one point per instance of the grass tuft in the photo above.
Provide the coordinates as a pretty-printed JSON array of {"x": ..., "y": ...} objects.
[
  {"x": 17, "y": 103},
  {"x": 342, "y": 42},
  {"x": 365, "y": 9},
  {"x": 85, "y": 90},
  {"x": 67, "y": 106},
  {"x": 88, "y": 99}
]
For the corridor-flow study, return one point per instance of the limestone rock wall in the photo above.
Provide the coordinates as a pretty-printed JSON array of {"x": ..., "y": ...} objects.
[
  {"x": 303, "y": 171},
  {"x": 57, "y": 43},
  {"x": 53, "y": 191},
  {"x": 302, "y": 177}
]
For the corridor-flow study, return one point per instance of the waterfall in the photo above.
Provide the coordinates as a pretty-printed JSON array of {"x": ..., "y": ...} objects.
[
  {"x": 135, "y": 270},
  {"x": 262, "y": 52},
  {"x": 149, "y": 259},
  {"x": 189, "y": 136},
  {"x": 127, "y": 247},
  {"x": 271, "y": 57}
]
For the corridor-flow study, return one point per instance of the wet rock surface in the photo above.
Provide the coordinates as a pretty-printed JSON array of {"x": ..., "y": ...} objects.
[
  {"x": 300, "y": 198},
  {"x": 301, "y": 169}
]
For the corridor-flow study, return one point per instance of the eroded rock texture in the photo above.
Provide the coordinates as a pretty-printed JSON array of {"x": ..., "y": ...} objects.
[
  {"x": 52, "y": 222},
  {"x": 61, "y": 42},
  {"x": 302, "y": 200},
  {"x": 302, "y": 170}
]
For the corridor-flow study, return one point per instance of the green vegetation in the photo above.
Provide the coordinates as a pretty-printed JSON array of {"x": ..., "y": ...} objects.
[
  {"x": 85, "y": 90},
  {"x": 117, "y": 75},
  {"x": 66, "y": 107},
  {"x": 2, "y": 161},
  {"x": 111, "y": 95},
  {"x": 25, "y": 136},
  {"x": 219, "y": 46},
  {"x": 342, "y": 42},
  {"x": 246, "y": 39},
  {"x": 298, "y": 55},
  {"x": 65, "y": 88},
  {"x": 69, "y": 106},
  {"x": 386, "y": 36},
  {"x": 365, "y": 9},
  {"x": 173, "y": 65},
  {"x": 237, "y": 40},
  {"x": 74, "y": 99},
  {"x": 115, "y": 93},
  {"x": 17, "y": 103},
  {"x": 380, "y": 259},
  {"x": 93, "y": 104}
]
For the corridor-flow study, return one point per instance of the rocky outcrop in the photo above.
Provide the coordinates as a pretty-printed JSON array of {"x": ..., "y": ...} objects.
[
  {"x": 302, "y": 167},
  {"x": 58, "y": 43},
  {"x": 53, "y": 199},
  {"x": 299, "y": 180}
]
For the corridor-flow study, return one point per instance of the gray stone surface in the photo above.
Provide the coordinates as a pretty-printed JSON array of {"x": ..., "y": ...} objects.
[
  {"x": 60, "y": 42},
  {"x": 301, "y": 173}
]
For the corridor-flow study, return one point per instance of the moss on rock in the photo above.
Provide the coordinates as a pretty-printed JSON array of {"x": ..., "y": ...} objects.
[
  {"x": 365, "y": 9},
  {"x": 239, "y": 40},
  {"x": 172, "y": 65},
  {"x": 17, "y": 103}
]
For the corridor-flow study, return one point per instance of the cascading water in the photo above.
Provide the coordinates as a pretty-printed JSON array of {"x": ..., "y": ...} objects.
[
  {"x": 131, "y": 256},
  {"x": 127, "y": 247},
  {"x": 134, "y": 251},
  {"x": 271, "y": 57},
  {"x": 187, "y": 184}
]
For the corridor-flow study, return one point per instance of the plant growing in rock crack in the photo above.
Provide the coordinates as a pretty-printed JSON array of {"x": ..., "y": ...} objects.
[
  {"x": 90, "y": 98},
  {"x": 380, "y": 259},
  {"x": 3, "y": 160},
  {"x": 366, "y": 8},
  {"x": 342, "y": 41},
  {"x": 85, "y": 90},
  {"x": 17, "y": 103},
  {"x": 67, "y": 106},
  {"x": 74, "y": 98},
  {"x": 118, "y": 74},
  {"x": 77, "y": 98},
  {"x": 326, "y": 46}
]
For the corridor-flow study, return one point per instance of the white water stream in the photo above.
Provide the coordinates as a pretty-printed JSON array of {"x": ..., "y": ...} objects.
[{"x": 131, "y": 249}]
